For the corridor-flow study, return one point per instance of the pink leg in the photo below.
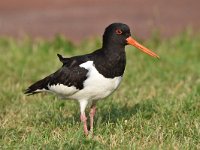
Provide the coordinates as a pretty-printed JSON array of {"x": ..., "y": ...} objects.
[
  {"x": 92, "y": 113},
  {"x": 83, "y": 104},
  {"x": 84, "y": 120}
]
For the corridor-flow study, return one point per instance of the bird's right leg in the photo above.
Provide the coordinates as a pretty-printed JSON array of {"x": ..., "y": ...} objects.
[
  {"x": 83, "y": 104},
  {"x": 92, "y": 113}
]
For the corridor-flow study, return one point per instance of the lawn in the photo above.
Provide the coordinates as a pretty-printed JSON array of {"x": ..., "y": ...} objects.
[{"x": 157, "y": 106}]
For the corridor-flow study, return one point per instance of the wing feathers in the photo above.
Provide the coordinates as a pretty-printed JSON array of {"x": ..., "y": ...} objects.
[{"x": 67, "y": 77}]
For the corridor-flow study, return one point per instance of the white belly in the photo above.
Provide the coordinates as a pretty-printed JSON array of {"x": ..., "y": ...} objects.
[{"x": 96, "y": 86}]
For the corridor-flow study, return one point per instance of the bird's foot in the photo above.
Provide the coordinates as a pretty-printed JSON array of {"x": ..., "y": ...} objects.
[{"x": 90, "y": 135}]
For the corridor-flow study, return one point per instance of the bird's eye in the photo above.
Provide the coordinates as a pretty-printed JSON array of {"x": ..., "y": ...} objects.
[{"x": 118, "y": 31}]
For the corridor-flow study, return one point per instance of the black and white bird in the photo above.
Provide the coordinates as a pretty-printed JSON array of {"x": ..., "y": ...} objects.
[{"x": 91, "y": 77}]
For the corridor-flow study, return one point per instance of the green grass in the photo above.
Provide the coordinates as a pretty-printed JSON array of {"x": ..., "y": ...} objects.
[{"x": 156, "y": 107}]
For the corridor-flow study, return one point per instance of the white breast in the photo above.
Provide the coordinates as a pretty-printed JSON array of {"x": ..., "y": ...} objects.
[{"x": 96, "y": 86}]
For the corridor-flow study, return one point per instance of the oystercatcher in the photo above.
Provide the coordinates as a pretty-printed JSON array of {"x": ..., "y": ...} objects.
[{"x": 94, "y": 76}]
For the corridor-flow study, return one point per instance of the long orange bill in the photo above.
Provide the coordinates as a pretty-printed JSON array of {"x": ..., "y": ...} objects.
[{"x": 133, "y": 42}]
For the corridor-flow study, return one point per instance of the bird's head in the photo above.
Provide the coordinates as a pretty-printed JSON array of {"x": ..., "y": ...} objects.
[{"x": 118, "y": 34}]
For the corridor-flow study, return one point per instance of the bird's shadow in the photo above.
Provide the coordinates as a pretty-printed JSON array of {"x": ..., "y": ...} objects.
[
  {"x": 113, "y": 112},
  {"x": 116, "y": 111},
  {"x": 107, "y": 112}
]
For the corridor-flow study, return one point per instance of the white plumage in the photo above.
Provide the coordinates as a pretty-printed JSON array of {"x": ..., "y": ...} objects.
[{"x": 96, "y": 86}]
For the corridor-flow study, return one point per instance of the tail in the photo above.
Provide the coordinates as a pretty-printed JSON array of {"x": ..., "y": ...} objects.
[{"x": 39, "y": 86}]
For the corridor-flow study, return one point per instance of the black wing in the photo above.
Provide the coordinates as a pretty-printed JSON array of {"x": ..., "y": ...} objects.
[
  {"x": 70, "y": 74},
  {"x": 73, "y": 76}
]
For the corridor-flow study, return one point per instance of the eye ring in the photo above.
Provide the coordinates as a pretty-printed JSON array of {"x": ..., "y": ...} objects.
[{"x": 118, "y": 31}]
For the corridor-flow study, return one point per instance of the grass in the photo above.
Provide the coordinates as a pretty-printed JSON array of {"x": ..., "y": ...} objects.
[{"x": 156, "y": 107}]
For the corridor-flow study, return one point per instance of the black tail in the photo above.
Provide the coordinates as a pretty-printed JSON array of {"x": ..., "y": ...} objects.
[{"x": 37, "y": 86}]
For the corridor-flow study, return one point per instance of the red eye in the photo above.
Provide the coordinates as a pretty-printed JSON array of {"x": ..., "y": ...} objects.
[{"x": 118, "y": 31}]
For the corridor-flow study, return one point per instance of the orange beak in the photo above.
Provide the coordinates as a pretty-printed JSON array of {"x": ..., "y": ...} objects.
[{"x": 133, "y": 42}]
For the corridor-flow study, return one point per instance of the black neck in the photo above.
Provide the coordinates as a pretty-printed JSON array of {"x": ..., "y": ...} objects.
[{"x": 113, "y": 61}]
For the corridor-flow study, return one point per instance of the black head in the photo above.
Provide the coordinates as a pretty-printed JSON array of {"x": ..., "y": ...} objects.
[{"x": 116, "y": 34}]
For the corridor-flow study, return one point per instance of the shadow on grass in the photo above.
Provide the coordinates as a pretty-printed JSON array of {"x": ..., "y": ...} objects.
[
  {"x": 106, "y": 112},
  {"x": 115, "y": 112}
]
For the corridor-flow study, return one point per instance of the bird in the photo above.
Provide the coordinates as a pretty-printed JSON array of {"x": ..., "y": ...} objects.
[{"x": 91, "y": 77}]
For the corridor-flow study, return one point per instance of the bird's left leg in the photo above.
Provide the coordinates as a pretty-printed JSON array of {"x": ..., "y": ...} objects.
[
  {"x": 83, "y": 104},
  {"x": 92, "y": 113}
]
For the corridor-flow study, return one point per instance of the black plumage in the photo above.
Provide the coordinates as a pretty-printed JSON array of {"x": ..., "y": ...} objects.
[{"x": 110, "y": 61}]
